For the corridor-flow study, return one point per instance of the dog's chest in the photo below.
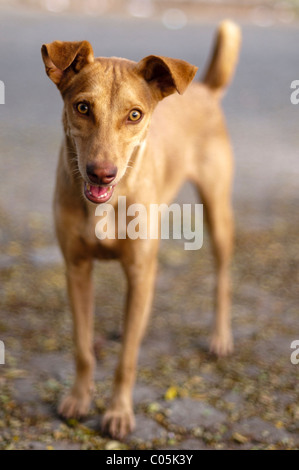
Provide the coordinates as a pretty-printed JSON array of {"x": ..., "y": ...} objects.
[{"x": 99, "y": 235}]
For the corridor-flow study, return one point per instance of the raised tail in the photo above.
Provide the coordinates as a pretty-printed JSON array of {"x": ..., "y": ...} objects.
[{"x": 225, "y": 56}]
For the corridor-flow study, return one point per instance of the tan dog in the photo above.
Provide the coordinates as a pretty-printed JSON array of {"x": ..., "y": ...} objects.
[{"x": 112, "y": 122}]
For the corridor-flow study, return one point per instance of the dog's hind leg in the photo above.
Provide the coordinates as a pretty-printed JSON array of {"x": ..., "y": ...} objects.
[{"x": 214, "y": 187}]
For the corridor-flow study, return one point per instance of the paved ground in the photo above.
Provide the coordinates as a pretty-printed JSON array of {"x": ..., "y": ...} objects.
[{"x": 185, "y": 399}]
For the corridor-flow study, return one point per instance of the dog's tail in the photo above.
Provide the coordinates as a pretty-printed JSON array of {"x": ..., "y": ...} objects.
[{"x": 225, "y": 56}]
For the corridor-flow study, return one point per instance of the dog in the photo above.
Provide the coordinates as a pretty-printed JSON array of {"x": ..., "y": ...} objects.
[{"x": 128, "y": 132}]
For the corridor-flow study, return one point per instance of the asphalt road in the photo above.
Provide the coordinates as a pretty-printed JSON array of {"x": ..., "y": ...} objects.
[{"x": 261, "y": 119}]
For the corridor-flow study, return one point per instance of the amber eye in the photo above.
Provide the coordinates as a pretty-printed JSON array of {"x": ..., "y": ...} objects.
[
  {"x": 134, "y": 115},
  {"x": 82, "y": 108}
]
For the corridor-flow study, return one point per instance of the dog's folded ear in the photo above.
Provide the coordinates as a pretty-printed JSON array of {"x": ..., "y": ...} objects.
[
  {"x": 64, "y": 58},
  {"x": 166, "y": 75}
]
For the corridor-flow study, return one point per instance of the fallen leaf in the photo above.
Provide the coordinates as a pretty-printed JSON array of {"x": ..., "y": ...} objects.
[
  {"x": 114, "y": 445},
  {"x": 171, "y": 393},
  {"x": 153, "y": 407},
  {"x": 15, "y": 373},
  {"x": 240, "y": 438}
]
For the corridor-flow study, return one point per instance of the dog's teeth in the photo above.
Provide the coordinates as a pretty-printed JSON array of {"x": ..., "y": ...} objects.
[{"x": 109, "y": 189}]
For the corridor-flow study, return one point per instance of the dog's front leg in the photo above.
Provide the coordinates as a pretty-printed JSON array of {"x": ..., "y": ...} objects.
[
  {"x": 80, "y": 290},
  {"x": 119, "y": 418}
]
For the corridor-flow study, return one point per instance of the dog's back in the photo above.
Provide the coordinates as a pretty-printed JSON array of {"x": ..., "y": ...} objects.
[{"x": 186, "y": 128}]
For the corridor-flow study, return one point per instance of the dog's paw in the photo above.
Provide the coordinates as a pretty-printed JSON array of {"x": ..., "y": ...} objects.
[
  {"x": 75, "y": 405},
  {"x": 118, "y": 423},
  {"x": 221, "y": 345}
]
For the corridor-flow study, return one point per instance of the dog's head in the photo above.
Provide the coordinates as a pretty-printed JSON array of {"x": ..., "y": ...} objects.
[{"x": 108, "y": 103}]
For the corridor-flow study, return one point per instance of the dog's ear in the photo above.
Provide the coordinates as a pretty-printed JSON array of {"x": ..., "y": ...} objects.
[
  {"x": 166, "y": 75},
  {"x": 64, "y": 58}
]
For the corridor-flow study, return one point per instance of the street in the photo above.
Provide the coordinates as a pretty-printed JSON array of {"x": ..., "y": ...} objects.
[{"x": 261, "y": 118}]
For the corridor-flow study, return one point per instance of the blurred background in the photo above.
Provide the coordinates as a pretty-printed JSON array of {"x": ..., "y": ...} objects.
[
  {"x": 260, "y": 117},
  {"x": 257, "y": 389}
]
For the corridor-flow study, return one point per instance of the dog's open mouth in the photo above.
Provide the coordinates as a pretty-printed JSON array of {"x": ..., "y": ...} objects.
[{"x": 98, "y": 194}]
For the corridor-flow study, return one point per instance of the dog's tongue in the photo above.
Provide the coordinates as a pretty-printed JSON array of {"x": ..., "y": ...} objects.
[{"x": 97, "y": 191}]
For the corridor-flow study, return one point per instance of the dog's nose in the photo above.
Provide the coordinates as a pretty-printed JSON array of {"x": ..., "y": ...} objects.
[{"x": 101, "y": 173}]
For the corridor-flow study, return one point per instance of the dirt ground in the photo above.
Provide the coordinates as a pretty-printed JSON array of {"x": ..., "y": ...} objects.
[{"x": 184, "y": 397}]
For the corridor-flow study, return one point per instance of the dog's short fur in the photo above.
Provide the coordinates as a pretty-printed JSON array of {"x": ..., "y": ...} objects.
[{"x": 114, "y": 118}]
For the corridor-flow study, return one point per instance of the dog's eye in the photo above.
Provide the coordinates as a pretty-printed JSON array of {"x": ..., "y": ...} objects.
[
  {"x": 134, "y": 115},
  {"x": 82, "y": 108}
]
